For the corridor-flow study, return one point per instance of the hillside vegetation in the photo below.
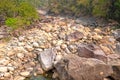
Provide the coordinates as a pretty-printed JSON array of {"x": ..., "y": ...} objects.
[
  {"x": 17, "y": 13},
  {"x": 21, "y": 13},
  {"x": 99, "y": 8}
]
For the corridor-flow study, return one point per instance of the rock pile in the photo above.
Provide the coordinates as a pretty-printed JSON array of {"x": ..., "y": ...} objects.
[{"x": 40, "y": 49}]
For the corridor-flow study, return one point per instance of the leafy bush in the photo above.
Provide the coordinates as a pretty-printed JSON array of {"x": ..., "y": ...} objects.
[
  {"x": 116, "y": 14},
  {"x": 14, "y": 23},
  {"x": 7, "y": 8},
  {"x": 101, "y": 7},
  {"x": 27, "y": 11},
  {"x": 11, "y": 22},
  {"x": 18, "y": 13}
]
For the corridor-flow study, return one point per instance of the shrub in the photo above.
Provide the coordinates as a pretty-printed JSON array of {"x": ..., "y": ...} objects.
[
  {"x": 116, "y": 14},
  {"x": 18, "y": 13},
  {"x": 27, "y": 11},
  {"x": 101, "y": 7},
  {"x": 11, "y": 22}
]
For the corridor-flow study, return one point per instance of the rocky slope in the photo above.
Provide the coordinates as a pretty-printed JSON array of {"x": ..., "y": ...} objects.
[{"x": 41, "y": 48}]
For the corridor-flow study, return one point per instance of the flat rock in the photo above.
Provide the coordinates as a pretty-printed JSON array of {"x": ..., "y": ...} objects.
[
  {"x": 75, "y": 36},
  {"x": 47, "y": 58},
  {"x": 25, "y": 73},
  {"x": 73, "y": 67},
  {"x": 91, "y": 51}
]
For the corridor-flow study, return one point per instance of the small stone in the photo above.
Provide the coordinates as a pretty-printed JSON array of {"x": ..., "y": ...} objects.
[
  {"x": 39, "y": 69},
  {"x": 58, "y": 57},
  {"x": 72, "y": 48},
  {"x": 32, "y": 63},
  {"x": 30, "y": 69},
  {"x": 21, "y": 44},
  {"x": 61, "y": 36},
  {"x": 97, "y": 30},
  {"x": 67, "y": 51},
  {"x": 4, "y": 61},
  {"x": 7, "y": 74},
  {"x": 39, "y": 49},
  {"x": 105, "y": 49},
  {"x": 10, "y": 53},
  {"x": 54, "y": 42},
  {"x": 97, "y": 37},
  {"x": 20, "y": 55},
  {"x": 59, "y": 42},
  {"x": 21, "y": 38},
  {"x": 63, "y": 46},
  {"x": 106, "y": 79},
  {"x": 11, "y": 68},
  {"x": 3, "y": 69},
  {"x": 19, "y": 78},
  {"x": 25, "y": 73},
  {"x": 29, "y": 48},
  {"x": 35, "y": 44}
]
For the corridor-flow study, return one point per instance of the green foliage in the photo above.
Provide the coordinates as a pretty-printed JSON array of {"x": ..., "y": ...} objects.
[
  {"x": 11, "y": 22},
  {"x": 27, "y": 11},
  {"x": 81, "y": 7},
  {"x": 116, "y": 14},
  {"x": 15, "y": 23},
  {"x": 7, "y": 8},
  {"x": 101, "y": 7},
  {"x": 18, "y": 13}
]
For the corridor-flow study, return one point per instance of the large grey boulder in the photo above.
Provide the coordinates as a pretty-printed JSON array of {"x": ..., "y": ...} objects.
[
  {"x": 73, "y": 67},
  {"x": 114, "y": 61},
  {"x": 91, "y": 51},
  {"x": 47, "y": 58}
]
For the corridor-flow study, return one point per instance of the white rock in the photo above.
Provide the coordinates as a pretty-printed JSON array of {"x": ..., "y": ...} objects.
[
  {"x": 21, "y": 43},
  {"x": 59, "y": 42},
  {"x": 25, "y": 73},
  {"x": 20, "y": 55},
  {"x": 21, "y": 38},
  {"x": 3, "y": 69},
  {"x": 58, "y": 57},
  {"x": 46, "y": 59},
  {"x": 63, "y": 46},
  {"x": 39, "y": 49},
  {"x": 11, "y": 68},
  {"x": 35, "y": 44},
  {"x": 29, "y": 48},
  {"x": 4, "y": 61}
]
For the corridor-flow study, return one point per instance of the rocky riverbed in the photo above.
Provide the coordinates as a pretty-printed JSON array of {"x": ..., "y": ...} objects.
[{"x": 69, "y": 49}]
